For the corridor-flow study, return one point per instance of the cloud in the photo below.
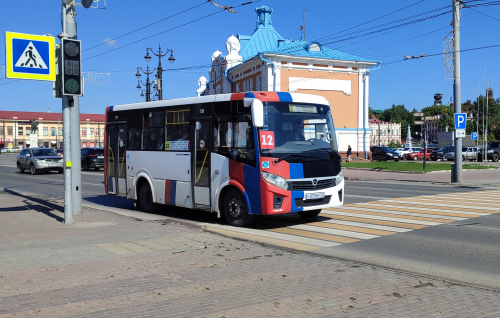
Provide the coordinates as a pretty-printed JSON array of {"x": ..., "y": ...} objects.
[{"x": 110, "y": 42}]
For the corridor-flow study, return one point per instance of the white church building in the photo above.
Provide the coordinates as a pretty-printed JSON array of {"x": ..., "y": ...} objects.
[{"x": 265, "y": 61}]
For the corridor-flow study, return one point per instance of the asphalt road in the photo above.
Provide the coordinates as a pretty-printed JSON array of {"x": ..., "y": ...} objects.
[{"x": 466, "y": 251}]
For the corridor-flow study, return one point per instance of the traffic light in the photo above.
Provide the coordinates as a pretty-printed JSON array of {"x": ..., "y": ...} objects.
[{"x": 71, "y": 74}]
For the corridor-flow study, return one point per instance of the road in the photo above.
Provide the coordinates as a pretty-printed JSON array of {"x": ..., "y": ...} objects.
[{"x": 442, "y": 231}]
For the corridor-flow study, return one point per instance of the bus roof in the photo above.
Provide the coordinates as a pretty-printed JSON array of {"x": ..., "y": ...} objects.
[{"x": 263, "y": 96}]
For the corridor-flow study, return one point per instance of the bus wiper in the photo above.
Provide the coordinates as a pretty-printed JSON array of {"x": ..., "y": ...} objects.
[
  {"x": 329, "y": 150},
  {"x": 293, "y": 154}
]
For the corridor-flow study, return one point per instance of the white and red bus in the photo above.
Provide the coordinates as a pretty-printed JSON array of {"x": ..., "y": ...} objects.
[{"x": 237, "y": 155}]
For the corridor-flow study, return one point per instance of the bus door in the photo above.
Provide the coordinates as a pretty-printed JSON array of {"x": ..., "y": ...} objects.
[
  {"x": 201, "y": 167},
  {"x": 116, "y": 162}
]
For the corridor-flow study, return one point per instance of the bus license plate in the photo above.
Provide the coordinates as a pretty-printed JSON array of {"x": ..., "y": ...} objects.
[{"x": 315, "y": 196}]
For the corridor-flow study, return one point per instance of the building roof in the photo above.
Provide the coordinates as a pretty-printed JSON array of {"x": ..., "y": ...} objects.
[
  {"x": 26, "y": 116},
  {"x": 301, "y": 48},
  {"x": 265, "y": 39}
]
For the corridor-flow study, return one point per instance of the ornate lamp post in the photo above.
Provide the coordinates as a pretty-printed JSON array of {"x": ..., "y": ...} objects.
[
  {"x": 160, "y": 54},
  {"x": 147, "y": 84}
]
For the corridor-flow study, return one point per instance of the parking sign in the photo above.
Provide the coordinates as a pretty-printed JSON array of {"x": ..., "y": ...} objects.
[
  {"x": 460, "y": 121},
  {"x": 474, "y": 136}
]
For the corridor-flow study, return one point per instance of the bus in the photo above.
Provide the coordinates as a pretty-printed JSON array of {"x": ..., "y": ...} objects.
[{"x": 238, "y": 155}]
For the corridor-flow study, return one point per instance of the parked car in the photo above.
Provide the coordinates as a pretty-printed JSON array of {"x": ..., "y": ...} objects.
[
  {"x": 60, "y": 153},
  {"x": 419, "y": 155},
  {"x": 493, "y": 151},
  {"x": 384, "y": 153},
  {"x": 92, "y": 158},
  {"x": 411, "y": 151},
  {"x": 468, "y": 153},
  {"x": 11, "y": 150},
  {"x": 406, "y": 151},
  {"x": 438, "y": 154},
  {"x": 39, "y": 159}
]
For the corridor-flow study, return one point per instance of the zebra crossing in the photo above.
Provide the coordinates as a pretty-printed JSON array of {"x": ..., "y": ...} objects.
[{"x": 369, "y": 220}]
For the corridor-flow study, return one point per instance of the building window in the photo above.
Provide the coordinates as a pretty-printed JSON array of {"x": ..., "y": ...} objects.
[
  {"x": 20, "y": 131},
  {"x": 251, "y": 84},
  {"x": 91, "y": 132},
  {"x": 46, "y": 144},
  {"x": 45, "y": 131},
  {"x": 238, "y": 87},
  {"x": 258, "y": 83},
  {"x": 28, "y": 131},
  {"x": 1, "y": 131},
  {"x": 53, "y": 131},
  {"x": 9, "y": 131},
  {"x": 59, "y": 131},
  {"x": 84, "y": 132}
]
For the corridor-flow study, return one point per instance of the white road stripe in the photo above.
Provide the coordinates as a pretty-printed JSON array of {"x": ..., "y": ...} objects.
[
  {"x": 275, "y": 235},
  {"x": 438, "y": 204},
  {"x": 458, "y": 200},
  {"x": 368, "y": 226},
  {"x": 382, "y": 218},
  {"x": 364, "y": 197},
  {"x": 325, "y": 230},
  {"x": 430, "y": 216},
  {"x": 464, "y": 197},
  {"x": 420, "y": 208}
]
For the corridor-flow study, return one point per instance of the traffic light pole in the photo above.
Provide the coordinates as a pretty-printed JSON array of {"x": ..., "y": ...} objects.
[
  {"x": 456, "y": 175},
  {"x": 66, "y": 114},
  {"x": 70, "y": 31}
]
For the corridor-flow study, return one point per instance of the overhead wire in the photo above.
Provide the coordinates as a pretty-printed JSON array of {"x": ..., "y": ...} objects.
[{"x": 144, "y": 27}]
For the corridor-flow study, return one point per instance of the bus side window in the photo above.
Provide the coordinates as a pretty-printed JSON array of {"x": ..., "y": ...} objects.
[
  {"x": 235, "y": 141},
  {"x": 177, "y": 129}
]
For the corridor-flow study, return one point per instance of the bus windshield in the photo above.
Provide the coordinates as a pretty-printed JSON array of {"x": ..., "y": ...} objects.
[{"x": 297, "y": 129}]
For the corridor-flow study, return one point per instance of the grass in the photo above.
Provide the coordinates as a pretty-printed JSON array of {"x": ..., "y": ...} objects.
[{"x": 409, "y": 166}]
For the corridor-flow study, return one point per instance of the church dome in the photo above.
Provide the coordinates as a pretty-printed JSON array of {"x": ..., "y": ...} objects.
[{"x": 216, "y": 54}]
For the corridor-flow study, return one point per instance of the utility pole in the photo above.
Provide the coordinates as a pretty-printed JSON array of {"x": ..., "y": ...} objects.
[
  {"x": 457, "y": 97},
  {"x": 303, "y": 26}
]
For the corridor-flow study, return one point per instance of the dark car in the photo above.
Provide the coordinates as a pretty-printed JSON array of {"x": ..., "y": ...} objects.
[
  {"x": 438, "y": 154},
  {"x": 39, "y": 159},
  {"x": 493, "y": 151},
  {"x": 92, "y": 158},
  {"x": 384, "y": 153}
]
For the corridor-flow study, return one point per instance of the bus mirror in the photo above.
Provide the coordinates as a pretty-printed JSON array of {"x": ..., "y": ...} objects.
[
  {"x": 247, "y": 101},
  {"x": 257, "y": 113}
]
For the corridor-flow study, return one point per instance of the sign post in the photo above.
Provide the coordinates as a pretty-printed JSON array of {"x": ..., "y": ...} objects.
[
  {"x": 460, "y": 125},
  {"x": 474, "y": 136}
]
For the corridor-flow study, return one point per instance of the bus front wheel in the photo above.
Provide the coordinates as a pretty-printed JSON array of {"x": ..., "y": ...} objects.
[
  {"x": 236, "y": 210},
  {"x": 146, "y": 198}
]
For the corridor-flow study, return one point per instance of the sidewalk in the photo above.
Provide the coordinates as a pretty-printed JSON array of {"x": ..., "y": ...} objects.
[
  {"x": 486, "y": 178},
  {"x": 108, "y": 265}
]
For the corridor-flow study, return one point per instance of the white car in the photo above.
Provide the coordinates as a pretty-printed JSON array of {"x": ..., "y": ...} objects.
[
  {"x": 13, "y": 149},
  {"x": 406, "y": 151}
]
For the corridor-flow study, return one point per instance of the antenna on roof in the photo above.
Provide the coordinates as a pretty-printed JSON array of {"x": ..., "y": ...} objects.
[{"x": 304, "y": 14}]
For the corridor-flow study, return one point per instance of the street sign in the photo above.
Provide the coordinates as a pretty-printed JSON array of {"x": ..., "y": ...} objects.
[
  {"x": 459, "y": 133},
  {"x": 474, "y": 136},
  {"x": 460, "y": 121},
  {"x": 419, "y": 122},
  {"x": 418, "y": 114},
  {"x": 30, "y": 56}
]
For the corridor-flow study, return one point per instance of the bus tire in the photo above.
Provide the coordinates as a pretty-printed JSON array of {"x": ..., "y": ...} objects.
[
  {"x": 309, "y": 214},
  {"x": 236, "y": 210},
  {"x": 146, "y": 198}
]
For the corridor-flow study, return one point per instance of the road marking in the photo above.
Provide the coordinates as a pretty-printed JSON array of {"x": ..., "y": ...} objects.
[
  {"x": 332, "y": 231},
  {"x": 459, "y": 207},
  {"x": 395, "y": 213},
  {"x": 279, "y": 236},
  {"x": 460, "y": 201},
  {"x": 314, "y": 235},
  {"x": 351, "y": 228},
  {"x": 371, "y": 220},
  {"x": 381, "y": 216},
  {"x": 389, "y": 229},
  {"x": 376, "y": 205},
  {"x": 363, "y": 196},
  {"x": 476, "y": 198}
]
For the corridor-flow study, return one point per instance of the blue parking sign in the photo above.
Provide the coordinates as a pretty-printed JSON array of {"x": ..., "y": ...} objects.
[
  {"x": 474, "y": 136},
  {"x": 460, "y": 121}
]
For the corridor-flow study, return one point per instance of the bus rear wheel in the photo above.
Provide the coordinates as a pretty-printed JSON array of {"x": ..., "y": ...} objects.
[
  {"x": 236, "y": 210},
  {"x": 146, "y": 198},
  {"x": 309, "y": 214}
]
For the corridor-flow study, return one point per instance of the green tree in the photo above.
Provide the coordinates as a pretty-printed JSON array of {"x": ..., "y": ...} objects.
[{"x": 394, "y": 144}]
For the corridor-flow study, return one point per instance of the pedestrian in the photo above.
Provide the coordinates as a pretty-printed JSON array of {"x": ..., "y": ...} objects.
[{"x": 349, "y": 153}]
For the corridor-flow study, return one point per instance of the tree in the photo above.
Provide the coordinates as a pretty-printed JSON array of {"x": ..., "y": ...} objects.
[
  {"x": 399, "y": 114},
  {"x": 394, "y": 144}
]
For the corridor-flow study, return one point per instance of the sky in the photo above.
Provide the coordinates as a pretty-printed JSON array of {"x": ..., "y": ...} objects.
[{"x": 107, "y": 48}]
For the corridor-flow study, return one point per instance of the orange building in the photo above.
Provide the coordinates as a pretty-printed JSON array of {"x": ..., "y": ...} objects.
[{"x": 265, "y": 61}]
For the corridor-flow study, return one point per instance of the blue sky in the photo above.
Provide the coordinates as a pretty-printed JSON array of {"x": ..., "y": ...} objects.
[{"x": 411, "y": 83}]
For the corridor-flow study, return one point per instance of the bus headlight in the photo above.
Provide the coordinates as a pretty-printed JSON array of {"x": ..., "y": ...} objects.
[
  {"x": 339, "y": 177},
  {"x": 275, "y": 180}
]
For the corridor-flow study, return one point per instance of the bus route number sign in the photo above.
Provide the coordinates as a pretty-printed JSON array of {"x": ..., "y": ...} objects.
[{"x": 267, "y": 140}]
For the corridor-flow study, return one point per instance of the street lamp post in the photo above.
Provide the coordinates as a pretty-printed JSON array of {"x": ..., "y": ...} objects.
[
  {"x": 171, "y": 59},
  {"x": 147, "y": 84}
]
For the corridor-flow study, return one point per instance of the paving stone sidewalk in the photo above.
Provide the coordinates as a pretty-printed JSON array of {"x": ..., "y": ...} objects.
[{"x": 107, "y": 265}]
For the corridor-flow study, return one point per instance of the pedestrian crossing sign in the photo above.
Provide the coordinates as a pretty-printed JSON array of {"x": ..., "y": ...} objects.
[{"x": 30, "y": 56}]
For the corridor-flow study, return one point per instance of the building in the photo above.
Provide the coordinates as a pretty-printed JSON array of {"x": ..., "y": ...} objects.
[
  {"x": 265, "y": 61},
  {"x": 384, "y": 132},
  {"x": 431, "y": 122},
  {"x": 15, "y": 129}
]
